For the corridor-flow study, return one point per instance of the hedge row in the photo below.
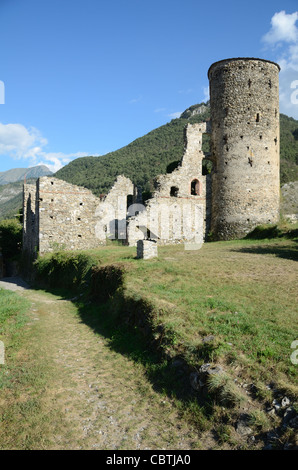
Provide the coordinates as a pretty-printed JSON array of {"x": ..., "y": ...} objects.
[{"x": 63, "y": 269}]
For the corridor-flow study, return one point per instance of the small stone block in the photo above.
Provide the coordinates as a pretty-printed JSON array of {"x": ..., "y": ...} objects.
[{"x": 146, "y": 249}]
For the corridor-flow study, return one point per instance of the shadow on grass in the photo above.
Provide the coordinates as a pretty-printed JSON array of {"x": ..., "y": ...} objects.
[
  {"x": 286, "y": 252},
  {"x": 139, "y": 344},
  {"x": 167, "y": 377},
  {"x": 126, "y": 322}
]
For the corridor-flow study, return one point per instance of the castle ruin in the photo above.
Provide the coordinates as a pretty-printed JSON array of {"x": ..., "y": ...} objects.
[{"x": 241, "y": 192}]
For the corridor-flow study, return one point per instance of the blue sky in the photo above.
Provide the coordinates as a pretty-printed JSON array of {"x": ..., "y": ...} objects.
[{"x": 86, "y": 77}]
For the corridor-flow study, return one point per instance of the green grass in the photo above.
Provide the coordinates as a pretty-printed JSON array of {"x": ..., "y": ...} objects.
[
  {"x": 23, "y": 377},
  {"x": 242, "y": 294},
  {"x": 246, "y": 299},
  {"x": 13, "y": 316}
]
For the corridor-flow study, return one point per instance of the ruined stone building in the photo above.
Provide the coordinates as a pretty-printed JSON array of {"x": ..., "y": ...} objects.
[
  {"x": 179, "y": 210},
  {"x": 241, "y": 192},
  {"x": 62, "y": 215},
  {"x": 57, "y": 213}
]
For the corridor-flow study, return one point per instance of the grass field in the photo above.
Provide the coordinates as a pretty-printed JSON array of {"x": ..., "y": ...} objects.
[
  {"x": 23, "y": 376},
  {"x": 242, "y": 292},
  {"x": 230, "y": 304},
  {"x": 12, "y": 318}
]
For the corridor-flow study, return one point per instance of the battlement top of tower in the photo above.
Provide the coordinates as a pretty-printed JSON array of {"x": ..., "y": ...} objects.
[{"x": 241, "y": 59}]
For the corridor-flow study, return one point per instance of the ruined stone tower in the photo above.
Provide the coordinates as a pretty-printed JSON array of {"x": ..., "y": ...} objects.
[{"x": 244, "y": 100}]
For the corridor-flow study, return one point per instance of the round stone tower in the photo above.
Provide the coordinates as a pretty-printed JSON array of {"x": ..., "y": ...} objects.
[{"x": 244, "y": 100}]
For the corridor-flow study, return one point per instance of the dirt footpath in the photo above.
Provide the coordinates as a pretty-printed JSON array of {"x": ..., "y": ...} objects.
[{"x": 97, "y": 398}]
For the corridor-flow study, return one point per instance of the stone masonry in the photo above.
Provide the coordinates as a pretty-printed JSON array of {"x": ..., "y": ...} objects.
[
  {"x": 244, "y": 100},
  {"x": 58, "y": 214},
  {"x": 177, "y": 211},
  {"x": 243, "y": 190},
  {"x": 146, "y": 249},
  {"x": 62, "y": 215},
  {"x": 30, "y": 224},
  {"x": 112, "y": 210}
]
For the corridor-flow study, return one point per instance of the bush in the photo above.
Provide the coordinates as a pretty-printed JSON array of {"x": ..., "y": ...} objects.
[
  {"x": 262, "y": 232},
  {"x": 265, "y": 231},
  {"x": 10, "y": 238},
  {"x": 105, "y": 281}
]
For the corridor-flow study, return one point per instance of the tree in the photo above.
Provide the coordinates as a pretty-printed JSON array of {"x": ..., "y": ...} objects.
[{"x": 10, "y": 238}]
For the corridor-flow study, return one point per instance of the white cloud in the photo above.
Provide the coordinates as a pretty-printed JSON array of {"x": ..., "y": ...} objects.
[
  {"x": 186, "y": 92},
  {"x": 282, "y": 39},
  {"x": 55, "y": 161},
  {"x": 16, "y": 140},
  {"x": 135, "y": 100},
  {"x": 20, "y": 143},
  {"x": 283, "y": 28}
]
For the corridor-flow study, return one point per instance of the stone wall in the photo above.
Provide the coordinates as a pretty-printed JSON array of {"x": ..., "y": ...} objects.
[
  {"x": 67, "y": 215},
  {"x": 30, "y": 225},
  {"x": 244, "y": 100},
  {"x": 62, "y": 215},
  {"x": 112, "y": 210},
  {"x": 58, "y": 214}
]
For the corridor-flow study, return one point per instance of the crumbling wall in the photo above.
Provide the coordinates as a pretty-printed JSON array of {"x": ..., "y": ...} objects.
[
  {"x": 58, "y": 214},
  {"x": 112, "y": 210},
  {"x": 30, "y": 217},
  {"x": 177, "y": 210},
  {"x": 67, "y": 215}
]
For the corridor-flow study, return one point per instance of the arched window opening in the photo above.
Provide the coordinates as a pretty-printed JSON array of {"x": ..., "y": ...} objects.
[
  {"x": 174, "y": 191},
  {"x": 195, "y": 188}
]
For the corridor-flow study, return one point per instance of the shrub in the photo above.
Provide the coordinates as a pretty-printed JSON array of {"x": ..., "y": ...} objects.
[
  {"x": 225, "y": 390},
  {"x": 10, "y": 238},
  {"x": 64, "y": 269},
  {"x": 264, "y": 231},
  {"x": 105, "y": 281}
]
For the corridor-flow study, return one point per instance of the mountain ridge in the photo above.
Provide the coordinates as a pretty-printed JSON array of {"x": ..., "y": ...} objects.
[
  {"x": 19, "y": 174},
  {"x": 155, "y": 153},
  {"x": 159, "y": 151}
]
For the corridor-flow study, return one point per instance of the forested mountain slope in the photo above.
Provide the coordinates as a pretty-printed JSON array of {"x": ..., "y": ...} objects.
[{"x": 158, "y": 151}]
